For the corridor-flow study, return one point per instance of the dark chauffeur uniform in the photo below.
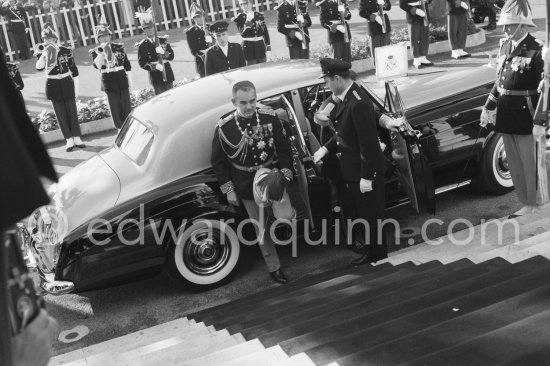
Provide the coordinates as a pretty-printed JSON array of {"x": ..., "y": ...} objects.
[
  {"x": 360, "y": 155},
  {"x": 330, "y": 18},
  {"x": 114, "y": 81},
  {"x": 368, "y": 9},
  {"x": 148, "y": 58},
  {"x": 60, "y": 88},
  {"x": 242, "y": 146},
  {"x": 196, "y": 39},
  {"x": 515, "y": 96},
  {"x": 287, "y": 24},
  {"x": 18, "y": 23},
  {"x": 255, "y": 37}
]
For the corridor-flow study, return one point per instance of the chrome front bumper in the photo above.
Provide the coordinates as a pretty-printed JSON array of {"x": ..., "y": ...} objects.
[{"x": 37, "y": 266}]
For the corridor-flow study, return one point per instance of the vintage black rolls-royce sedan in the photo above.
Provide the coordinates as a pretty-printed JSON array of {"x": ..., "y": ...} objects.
[{"x": 115, "y": 211}]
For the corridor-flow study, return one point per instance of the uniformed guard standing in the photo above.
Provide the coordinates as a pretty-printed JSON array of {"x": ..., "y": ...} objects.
[
  {"x": 362, "y": 163},
  {"x": 419, "y": 30},
  {"x": 15, "y": 75},
  {"x": 244, "y": 142},
  {"x": 458, "y": 26},
  {"x": 155, "y": 58},
  {"x": 224, "y": 55},
  {"x": 251, "y": 25},
  {"x": 61, "y": 85},
  {"x": 116, "y": 79},
  {"x": 18, "y": 25},
  {"x": 375, "y": 13},
  {"x": 291, "y": 25},
  {"x": 198, "y": 38},
  {"x": 512, "y": 101},
  {"x": 339, "y": 35}
]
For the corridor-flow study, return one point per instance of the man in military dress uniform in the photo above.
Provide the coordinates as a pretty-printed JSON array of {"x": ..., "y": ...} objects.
[
  {"x": 372, "y": 10},
  {"x": 15, "y": 75},
  {"x": 511, "y": 103},
  {"x": 331, "y": 19},
  {"x": 155, "y": 58},
  {"x": 18, "y": 26},
  {"x": 61, "y": 85},
  {"x": 245, "y": 141},
  {"x": 458, "y": 26},
  {"x": 251, "y": 25},
  {"x": 362, "y": 162},
  {"x": 289, "y": 24},
  {"x": 116, "y": 79},
  {"x": 224, "y": 55},
  {"x": 197, "y": 39},
  {"x": 419, "y": 30}
]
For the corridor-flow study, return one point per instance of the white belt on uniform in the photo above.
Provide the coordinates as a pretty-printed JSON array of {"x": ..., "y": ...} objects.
[
  {"x": 292, "y": 26},
  {"x": 16, "y": 20},
  {"x": 112, "y": 69},
  {"x": 59, "y": 76},
  {"x": 253, "y": 39}
]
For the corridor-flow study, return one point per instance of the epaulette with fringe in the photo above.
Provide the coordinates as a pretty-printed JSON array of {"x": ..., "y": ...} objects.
[
  {"x": 267, "y": 111},
  {"x": 223, "y": 121},
  {"x": 137, "y": 44}
]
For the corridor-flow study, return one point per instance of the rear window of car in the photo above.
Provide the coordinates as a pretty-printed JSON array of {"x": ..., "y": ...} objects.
[{"x": 135, "y": 140}]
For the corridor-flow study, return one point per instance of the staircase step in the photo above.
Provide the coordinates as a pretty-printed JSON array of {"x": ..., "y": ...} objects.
[
  {"x": 301, "y": 359},
  {"x": 266, "y": 357},
  {"x": 294, "y": 332},
  {"x": 518, "y": 340},
  {"x": 221, "y": 356},
  {"x": 329, "y": 301},
  {"x": 223, "y": 318},
  {"x": 452, "y": 322},
  {"x": 276, "y": 291},
  {"x": 321, "y": 296},
  {"x": 536, "y": 245},
  {"x": 479, "y": 239},
  {"x": 329, "y": 341},
  {"x": 174, "y": 351},
  {"x": 130, "y": 341}
]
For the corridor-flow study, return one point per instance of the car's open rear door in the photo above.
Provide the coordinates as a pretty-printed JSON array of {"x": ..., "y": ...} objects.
[{"x": 414, "y": 172}]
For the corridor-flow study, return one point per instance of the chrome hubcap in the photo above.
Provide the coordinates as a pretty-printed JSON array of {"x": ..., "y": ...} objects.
[
  {"x": 501, "y": 162},
  {"x": 204, "y": 252}
]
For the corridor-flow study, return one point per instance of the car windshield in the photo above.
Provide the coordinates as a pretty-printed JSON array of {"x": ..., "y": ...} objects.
[{"x": 135, "y": 140}]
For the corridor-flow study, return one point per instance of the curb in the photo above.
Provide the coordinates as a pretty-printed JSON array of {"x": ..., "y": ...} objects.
[
  {"x": 359, "y": 66},
  {"x": 100, "y": 125}
]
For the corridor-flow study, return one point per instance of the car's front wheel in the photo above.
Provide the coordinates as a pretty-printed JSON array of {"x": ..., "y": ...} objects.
[
  {"x": 204, "y": 255},
  {"x": 494, "y": 172}
]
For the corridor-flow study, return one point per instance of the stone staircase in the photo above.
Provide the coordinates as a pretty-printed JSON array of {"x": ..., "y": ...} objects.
[{"x": 481, "y": 302}]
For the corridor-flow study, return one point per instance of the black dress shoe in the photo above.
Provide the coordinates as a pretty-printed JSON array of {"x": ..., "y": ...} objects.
[
  {"x": 82, "y": 145},
  {"x": 70, "y": 148},
  {"x": 279, "y": 276},
  {"x": 362, "y": 260}
]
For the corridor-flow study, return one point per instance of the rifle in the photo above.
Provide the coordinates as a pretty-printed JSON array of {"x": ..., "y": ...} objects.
[
  {"x": 423, "y": 8},
  {"x": 343, "y": 19},
  {"x": 300, "y": 26},
  {"x": 157, "y": 41},
  {"x": 381, "y": 14}
]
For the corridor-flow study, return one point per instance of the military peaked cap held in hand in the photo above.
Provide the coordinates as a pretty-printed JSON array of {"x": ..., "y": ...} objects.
[
  {"x": 219, "y": 27},
  {"x": 331, "y": 67}
]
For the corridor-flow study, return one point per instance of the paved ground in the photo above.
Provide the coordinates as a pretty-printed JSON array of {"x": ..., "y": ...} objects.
[{"x": 125, "y": 308}]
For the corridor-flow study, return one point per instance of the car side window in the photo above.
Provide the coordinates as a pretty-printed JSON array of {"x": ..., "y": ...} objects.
[{"x": 135, "y": 141}]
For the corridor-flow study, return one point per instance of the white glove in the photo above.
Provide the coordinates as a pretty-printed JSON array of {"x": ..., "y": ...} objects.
[
  {"x": 208, "y": 39},
  {"x": 76, "y": 87},
  {"x": 319, "y": 155},
  {"x": 26, "y": 30},
  {"x": 268, "y": 55},
  {"x": 130, "y": 80},
  {"x": 41, "y": 63},
  {"x": 249, "y": 16},
  {"x": 159, "y": 50},
  {"x": 420, "y": 13},
  {"x": 538, "y": 131},
  {"x": 380, "y": 2},
  {"x": 298, "y": 35},
  {"x": 541, "y": 86},
  {"x": 300, "y": 18},
  {"x": 159, "y": 67},
  {"x": 98, "y": 61},
  {"x": 487, "y": 117},
  {"x": 464, "y": 5},
  {"x": 378, "y": 19},
  {"x": 365, "y": 185},
  {"x": 389, "y": 123}
]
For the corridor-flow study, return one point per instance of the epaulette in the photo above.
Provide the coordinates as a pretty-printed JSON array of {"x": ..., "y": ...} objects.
[
  {"x": 223, "y": 121},
  {"x": 356, "y": 95},
  {"x": 137, "y": 44},
  {"x": 267, "y": 111},
  {"x": 318, "y": 3},
  {"x": 116, "y": 44}
]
